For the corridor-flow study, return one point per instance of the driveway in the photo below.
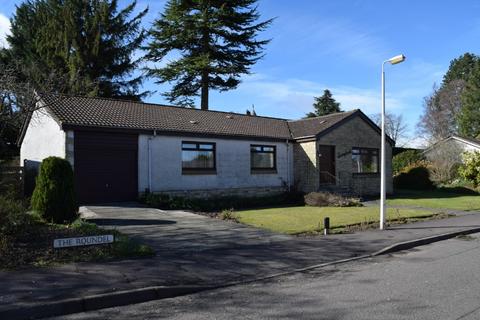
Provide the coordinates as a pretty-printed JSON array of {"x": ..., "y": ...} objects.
[{"x": 213, "y": 250}]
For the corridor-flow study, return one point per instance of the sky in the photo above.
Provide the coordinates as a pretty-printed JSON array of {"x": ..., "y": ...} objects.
[{"x": 340, "y": 45}]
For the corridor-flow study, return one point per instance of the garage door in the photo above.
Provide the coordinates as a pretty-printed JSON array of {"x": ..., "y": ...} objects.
[{"x": 105, "y": 167}]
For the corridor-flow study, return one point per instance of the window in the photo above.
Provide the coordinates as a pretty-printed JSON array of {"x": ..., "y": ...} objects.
[
  {"x": 263, "y": 158},
  {"x": 198, "y": 157},
  {"x": 364, "y": 160}
]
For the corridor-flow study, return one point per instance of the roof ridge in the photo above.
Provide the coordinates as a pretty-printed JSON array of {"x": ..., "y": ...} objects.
[
  {"x": 172, "y": 106},
  {"x": 326, "y": 116}
]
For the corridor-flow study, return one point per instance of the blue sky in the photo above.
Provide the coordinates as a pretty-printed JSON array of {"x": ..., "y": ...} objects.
[{"x": 340, "y": 45}]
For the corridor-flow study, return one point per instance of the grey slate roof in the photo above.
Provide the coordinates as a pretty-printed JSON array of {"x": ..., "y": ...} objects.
[{"x": 120, "y": 114}]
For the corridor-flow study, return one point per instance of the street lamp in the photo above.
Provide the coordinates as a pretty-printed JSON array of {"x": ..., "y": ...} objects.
[{"x": 383, "y": 193}]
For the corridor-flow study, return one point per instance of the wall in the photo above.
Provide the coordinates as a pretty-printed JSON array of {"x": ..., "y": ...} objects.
[
  {"x": 306, "y": 175},
  {"x": 357, "y": 133},
  {"x": 43, "y": 138},
  {"x": 233, "y": 166}
]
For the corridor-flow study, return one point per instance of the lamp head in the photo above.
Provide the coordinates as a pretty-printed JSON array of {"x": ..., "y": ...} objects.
[{"x": 397, "y": 59}]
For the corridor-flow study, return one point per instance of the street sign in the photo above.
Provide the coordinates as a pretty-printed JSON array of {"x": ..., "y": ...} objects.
[{"x": 83, "y": 241}]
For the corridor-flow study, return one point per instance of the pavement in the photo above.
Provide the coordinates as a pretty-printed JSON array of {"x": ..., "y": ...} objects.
[
  {"x": 195, "y": 252},
  {"x": 438, "y": 281}
]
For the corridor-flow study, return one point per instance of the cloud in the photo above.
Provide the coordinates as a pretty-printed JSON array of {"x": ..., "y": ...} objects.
[
  {"x": 295, "y": 96},
  {"x": 338, "y": 38},
  {"x": 4, "y": 30}
]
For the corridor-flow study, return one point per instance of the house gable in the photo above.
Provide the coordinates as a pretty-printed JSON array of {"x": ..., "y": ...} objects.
[{"x": 42, "y": 137}]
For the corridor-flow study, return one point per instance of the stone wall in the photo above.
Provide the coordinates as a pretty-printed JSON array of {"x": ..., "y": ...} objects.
[
  {"x": 353, "y": 133},
  {"x": 238, "y": 192},
  {"x": 357, "y": 133},
  {"x": 305, "y": 163}
]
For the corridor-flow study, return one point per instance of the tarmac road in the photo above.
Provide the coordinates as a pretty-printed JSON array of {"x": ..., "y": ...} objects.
[{"x": 438, "y": 281}]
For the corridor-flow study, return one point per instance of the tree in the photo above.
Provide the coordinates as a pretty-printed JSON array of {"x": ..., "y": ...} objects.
[
  {"x": 91, "y": 41},
  {"x": 460, "y": 68},
  {"x": 440, "y": 109},
  {"x": 439, "y": 118},
  {"x": 469, "y": 116},
  {"x": 395, "y": 126},
  {"x": 215, "y": 42},
  {"x": 18, "y": 100},
  {"x": 324, "y": 105}
]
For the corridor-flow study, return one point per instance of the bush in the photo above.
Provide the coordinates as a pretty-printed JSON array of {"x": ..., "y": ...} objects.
[
  {"x": 405, "y": 159},
  {"x": 13, "y": 216},
  {"x": 54, "y": 197},
  {"x": 415, "y": 176},
  {"x": 216, "y": 204},
  {"x": 228, "y": 215},
  {"x": 326, "y": 199},
  {"x": 470, "y": 170}
]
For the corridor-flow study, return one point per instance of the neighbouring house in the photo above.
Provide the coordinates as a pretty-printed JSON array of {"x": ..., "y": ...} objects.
[
  {"x": 451, "y": 149},
  {"x": 120, "y": 149},
  {"x": 446, "y": 156}
]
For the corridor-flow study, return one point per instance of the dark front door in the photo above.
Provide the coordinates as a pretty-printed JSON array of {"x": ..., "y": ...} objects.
[
  {"x": 326, "y": 163},
  {"x": 105, "y": 167}
]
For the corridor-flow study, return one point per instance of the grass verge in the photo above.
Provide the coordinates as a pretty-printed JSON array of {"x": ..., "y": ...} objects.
[
  {"x": 309, "y": 220},
  {"x": 436, "y": 199},
  {"x": 33, "y": 246}
]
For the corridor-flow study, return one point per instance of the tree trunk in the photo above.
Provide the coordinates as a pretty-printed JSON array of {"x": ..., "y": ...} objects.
[{"x": 205, "y": 84}]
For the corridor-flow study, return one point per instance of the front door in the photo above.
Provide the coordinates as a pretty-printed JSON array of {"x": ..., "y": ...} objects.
[{"x": 326, "y": 163}]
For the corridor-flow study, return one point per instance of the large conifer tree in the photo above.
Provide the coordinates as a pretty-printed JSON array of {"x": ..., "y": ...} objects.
[
  {"x": 469, "y": 115},
  {"x": 90, "y": 43},
  {"x": 215, "y": 41},
  {"x": 324, "y": 105}
]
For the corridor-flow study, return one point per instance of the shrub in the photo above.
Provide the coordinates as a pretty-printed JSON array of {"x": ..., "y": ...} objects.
[
  {"x": 216, "y": 204},
  {"x": 416, "y": 176},
  {"x": 53, "y": 197},
  {"x": 13, "y": 216},
  {"x": 470, "y": 170},
  {"x": 405, "y": 159},
  {"x": 327, "y": 199},
  {"x": 228, "y": 215}
]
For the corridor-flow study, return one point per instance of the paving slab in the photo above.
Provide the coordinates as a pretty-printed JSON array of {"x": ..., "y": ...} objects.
[{"x": 196, "y": 250}]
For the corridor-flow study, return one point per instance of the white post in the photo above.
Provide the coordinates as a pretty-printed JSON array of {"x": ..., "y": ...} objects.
[{"x": 382, "y": 155}]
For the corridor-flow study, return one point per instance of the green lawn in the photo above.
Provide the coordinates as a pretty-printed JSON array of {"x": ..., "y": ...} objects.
[
  {"x": 437, "y": 199},
  {"x": 296, "y": 220}
]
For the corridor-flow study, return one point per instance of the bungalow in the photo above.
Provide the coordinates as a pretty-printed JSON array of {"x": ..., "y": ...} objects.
[
  {"x": 451, "y": 148},
  {"x": 120, "y": 149}
]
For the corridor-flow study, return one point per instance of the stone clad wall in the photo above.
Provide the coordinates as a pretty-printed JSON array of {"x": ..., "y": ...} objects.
[
  {"x": 353, "y": 133},
  {"x": 357, "y": 133},
  {"x": 305, "y": 165}
]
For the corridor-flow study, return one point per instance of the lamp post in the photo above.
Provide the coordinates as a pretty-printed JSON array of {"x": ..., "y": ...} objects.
[{"x": 383, "y": 192}]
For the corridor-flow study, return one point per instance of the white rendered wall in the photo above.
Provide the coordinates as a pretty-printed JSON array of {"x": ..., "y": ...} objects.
[
  {"x": 43, "y": 138},
  {"x": 232, "y": 161}
]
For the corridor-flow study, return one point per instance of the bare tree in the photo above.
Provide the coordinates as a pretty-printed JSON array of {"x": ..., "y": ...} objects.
[
  {"x": 438, "y": 120},
  {"x": 445, "y": 159},
  {"x": 395, "y": 126},
  {"x": 19, "y": 98}
]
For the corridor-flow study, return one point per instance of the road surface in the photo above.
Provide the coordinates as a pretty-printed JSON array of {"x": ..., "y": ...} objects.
[{"x": 438, "y": 281}]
